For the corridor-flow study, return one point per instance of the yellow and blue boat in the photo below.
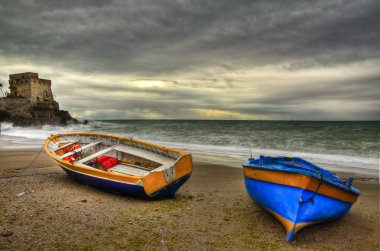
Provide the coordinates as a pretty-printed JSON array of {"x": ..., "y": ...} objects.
[
  {"x": 129, "y": 167},
  {"x": 296, "y": 192}
]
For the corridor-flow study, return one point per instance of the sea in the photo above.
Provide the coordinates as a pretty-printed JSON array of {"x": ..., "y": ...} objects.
[{"x": 349, "y": 144}]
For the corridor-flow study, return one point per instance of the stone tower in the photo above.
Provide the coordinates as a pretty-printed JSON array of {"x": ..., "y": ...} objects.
[
  {"x": 27, "y": 85},
  {"x": 30, "y": 102}
]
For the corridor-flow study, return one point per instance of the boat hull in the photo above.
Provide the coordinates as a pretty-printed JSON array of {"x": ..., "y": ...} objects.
[
  {"x": 284, "y": 203},
  {"x": 297, "y": 192},
  {"x": 123, "y": 188},
  {"x": 168, "y": 169}
]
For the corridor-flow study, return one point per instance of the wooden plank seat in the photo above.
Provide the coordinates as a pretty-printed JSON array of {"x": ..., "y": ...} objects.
[
  {"x": 95, "y": 155},
  {"x": 80, "y": 149},
  {"x": 158, "y": 158},
  {"x": 129, "y": 170}
]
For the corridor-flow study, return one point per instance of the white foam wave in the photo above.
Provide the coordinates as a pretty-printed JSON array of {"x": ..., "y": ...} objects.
[
  {"x": 324, "y": 159},
  {"x": 34, "y": 137},
  {"x": 40, "y": 132}
]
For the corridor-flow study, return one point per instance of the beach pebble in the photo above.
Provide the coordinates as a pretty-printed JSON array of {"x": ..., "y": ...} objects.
[
  {"x": 6, "y": 233},
  {"x": 84, "y": 201},
  {"x": 20, "y": 194}
]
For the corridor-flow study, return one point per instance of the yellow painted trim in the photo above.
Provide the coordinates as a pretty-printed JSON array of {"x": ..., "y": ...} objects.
[
  {"x": 288, "y": 225},
  {"x": 96, "y": 176},
  {"x": 100, "y": 173},
  {"x": 300, "y": 181},
  {"x": 302, "y": 225},
  {"x": 88, "y": 170},
  {"x": 156, "y": 180},
  {"x": 119, "y": 138},
  {"x": 152, "y": 182}
]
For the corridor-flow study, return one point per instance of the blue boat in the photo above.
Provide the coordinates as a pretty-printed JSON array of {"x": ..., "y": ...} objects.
[{"x": 296, "y": 192}]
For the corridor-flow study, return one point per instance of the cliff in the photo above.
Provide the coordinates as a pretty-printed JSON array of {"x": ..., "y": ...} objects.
[{"x": 22, "y": 112}]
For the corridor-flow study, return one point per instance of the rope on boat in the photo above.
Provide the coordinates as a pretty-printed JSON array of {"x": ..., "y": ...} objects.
[
  {"x": 23, "y": 170},
  {"x": 311, "y": 199}
]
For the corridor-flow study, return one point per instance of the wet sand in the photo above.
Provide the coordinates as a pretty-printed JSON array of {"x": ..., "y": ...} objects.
[{"x": 46, "y": 210}]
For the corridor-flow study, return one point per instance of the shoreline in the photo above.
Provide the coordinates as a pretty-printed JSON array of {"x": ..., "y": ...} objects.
[
  {"x": 48, "y": 210},
  {"x": 236, "y": 162},
  {"x": 231, "y": 160}
]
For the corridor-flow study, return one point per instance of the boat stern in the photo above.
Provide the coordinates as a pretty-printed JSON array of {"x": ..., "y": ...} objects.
[{"x": 167, "y": 182}]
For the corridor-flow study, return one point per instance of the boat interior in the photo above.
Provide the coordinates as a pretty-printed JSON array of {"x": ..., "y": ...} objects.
[{"x": 124, "y": 156}]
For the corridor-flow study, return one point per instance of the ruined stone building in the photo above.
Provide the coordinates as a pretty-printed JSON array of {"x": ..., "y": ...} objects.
[
  {"x": 30, "y": 101},
  {"x": 31, "y": 88}
]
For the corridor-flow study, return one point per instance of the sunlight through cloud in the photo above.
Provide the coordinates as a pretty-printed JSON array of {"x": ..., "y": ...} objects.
[{"x": 150, "y": 83}]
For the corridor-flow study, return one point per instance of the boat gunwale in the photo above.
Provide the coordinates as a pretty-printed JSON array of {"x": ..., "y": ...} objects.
[
  {"x": 117, "y": 137},
  {"x": 100, "y": 173},
  {"x": 303, "y": 171}
]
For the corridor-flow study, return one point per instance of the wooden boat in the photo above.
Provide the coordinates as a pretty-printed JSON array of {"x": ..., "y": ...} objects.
[
  {"x": 297, "y": 192},
  {"x": 134, "y": 167}
]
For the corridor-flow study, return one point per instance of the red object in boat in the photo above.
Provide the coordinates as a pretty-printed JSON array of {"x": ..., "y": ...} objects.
[
  {"x": 72, "y": 157},
  {"x": 107, "y": 162},
  {"x": 102, "y": 158}
]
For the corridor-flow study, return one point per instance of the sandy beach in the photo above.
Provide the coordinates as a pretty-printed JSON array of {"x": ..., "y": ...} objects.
[
  {"x": 44, "y": 209},
  {"x": 122, "y": 90}
]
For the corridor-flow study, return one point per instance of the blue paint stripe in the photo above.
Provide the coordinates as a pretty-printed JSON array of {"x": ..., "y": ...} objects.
[
  {"x": 284, "y": 200},
  {"x": 117, "y": 187},
  {"x": 107, "y": 185}
]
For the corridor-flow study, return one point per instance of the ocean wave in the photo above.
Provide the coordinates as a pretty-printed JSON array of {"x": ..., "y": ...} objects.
[
  {"x": 324, "y": 159},
  {"x": 34, "y": 138},
  {"x": 43, "y": 131}
]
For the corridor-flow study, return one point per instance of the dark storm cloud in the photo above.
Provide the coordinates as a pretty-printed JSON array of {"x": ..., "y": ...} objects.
[
  {"x": 357, "y": 89},
  {"x": 162, "y": 36},
  {"x": 212, "y": 54}
]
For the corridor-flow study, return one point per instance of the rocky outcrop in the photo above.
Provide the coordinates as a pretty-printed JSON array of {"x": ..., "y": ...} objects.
[
  {"x": 31, "y": 102},
  {"x": 22, "y": 112}
]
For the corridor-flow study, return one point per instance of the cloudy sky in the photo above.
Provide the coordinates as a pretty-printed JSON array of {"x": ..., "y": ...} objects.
[{"x": 219, "y": 59}]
